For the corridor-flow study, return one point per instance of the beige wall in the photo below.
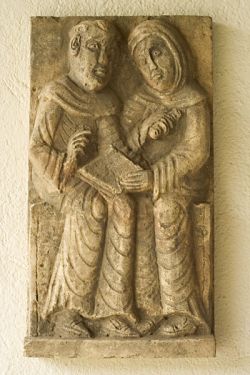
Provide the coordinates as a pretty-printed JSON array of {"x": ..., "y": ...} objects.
[{"x": 232, "y": 184}]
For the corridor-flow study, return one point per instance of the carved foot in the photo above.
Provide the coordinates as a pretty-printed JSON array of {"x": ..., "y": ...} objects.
[
  {"x": 117, "y": 327},
  {"x": 69, "y": 325},
  {"x": 176, "y": 327},
  {"x": 148, "y": 326}
]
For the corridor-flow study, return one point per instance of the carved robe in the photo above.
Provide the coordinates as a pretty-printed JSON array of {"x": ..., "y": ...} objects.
[
  {"x": 93, "y": 269},
  {"x": 165, "y": 277}
]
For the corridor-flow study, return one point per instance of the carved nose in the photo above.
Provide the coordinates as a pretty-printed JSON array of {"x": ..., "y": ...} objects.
[
  {"x": 103, "y": 58},
  {"x": 151, "y": 64}
]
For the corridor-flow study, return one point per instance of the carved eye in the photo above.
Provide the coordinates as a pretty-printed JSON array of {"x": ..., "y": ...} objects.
[
  {"x": 155, "y": 52},
  {"x": 93, "y": 46}
]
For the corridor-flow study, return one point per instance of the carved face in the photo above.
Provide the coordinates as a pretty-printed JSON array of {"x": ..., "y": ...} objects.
[
  {"x": 156, "y": 63},
  {"x": 91, "y": 61}
]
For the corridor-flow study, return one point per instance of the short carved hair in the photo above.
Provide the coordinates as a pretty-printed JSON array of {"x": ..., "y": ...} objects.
[{"x": 78, "y": 31}]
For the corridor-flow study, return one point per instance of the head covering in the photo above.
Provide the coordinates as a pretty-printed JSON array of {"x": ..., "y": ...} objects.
[{"x": 174, "y": 42}]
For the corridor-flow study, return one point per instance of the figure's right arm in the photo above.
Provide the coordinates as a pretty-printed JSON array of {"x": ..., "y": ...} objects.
[{"x": 46, "y": 160}]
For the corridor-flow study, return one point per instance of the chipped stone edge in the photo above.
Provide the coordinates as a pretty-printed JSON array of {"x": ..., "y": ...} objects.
[{"x": 193, "y": 346}]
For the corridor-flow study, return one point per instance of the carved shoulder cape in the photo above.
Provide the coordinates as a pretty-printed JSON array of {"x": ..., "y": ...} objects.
[
  {"x": 175, "y": 157},
  {"x": 63, "y": 109}
]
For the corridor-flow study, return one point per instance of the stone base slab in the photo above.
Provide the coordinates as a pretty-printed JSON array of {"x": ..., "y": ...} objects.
[{"x": 193, "y": 346}]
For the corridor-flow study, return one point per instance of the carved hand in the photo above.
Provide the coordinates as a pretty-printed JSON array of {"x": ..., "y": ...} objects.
[
  {"x": 153, "y": 126},
  {"x": 158, "y": 124},
  {"x": 137, "y": 182},
  {"x": 76, "y": 147},
  {"x": 159, "y": 128}
]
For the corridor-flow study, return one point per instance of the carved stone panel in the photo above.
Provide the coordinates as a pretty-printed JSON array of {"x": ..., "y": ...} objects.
[{"x": 121, "y": 187}]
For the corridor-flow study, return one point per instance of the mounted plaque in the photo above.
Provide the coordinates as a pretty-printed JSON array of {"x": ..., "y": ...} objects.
[{"x": 121, "y": 187}]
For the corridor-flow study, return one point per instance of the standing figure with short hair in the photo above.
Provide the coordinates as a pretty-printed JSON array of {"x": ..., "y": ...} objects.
[{"x": 78, "y": 119}]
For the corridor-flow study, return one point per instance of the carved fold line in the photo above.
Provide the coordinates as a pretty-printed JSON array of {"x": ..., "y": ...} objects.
[
  {"x": 67, "y": 118},
  {"x": 65, "y": 141},
  {"x": 194, "y": 307},
  {"x": 66, "y": 126},
  {"x": 94, "y": 231},
  {"x": 184, "y": 274},
  {"x": 186, "y": 257},
  {"x": 125, "y": 255},
  {"x": 48, "y": 159},
  {"x": 47, "y": 128},
  {"x": 174, "y": 303},
  {"x": 112, "y": 266},
  {"x": 106, "y": 303},
  {"x": 82, "y": 235},
  {"x": 78, "y": 107},
  {"x": 52, "y": 297},
  {"x": 182, "y": 287},
  {"x": 124, "y": 236},
  {"x": 175, "y": 295},
  {"x": 83, "y": 198},
  {"x": 73, "y": 197},
  {"x": 179, "y": 217},
  {"x": 97, "y": 219},
  {"x": 41, "y": 135},
  {"x": 175, "y": 248},
  {"x": 92, "y": 264},
  {"x": 175, "y": 177},
  {"x": 175, "y": 231},
  {"x": 185, "y": 261},
  {"x": 92, "y": 249},
  {"x": 87, "y": 208},
  {"x": 72, "y": 92},
  {"x": 80, "y": 225},
  {"x": 56, "y": 165},
  {"x": 109, "y": 284},
  {"x": 68, "y": 284},
  {"x": 69, "y": 261}
]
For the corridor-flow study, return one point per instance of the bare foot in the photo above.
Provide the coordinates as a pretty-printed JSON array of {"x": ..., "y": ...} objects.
[
  {"x": 116, "y": 327},
  {"x": 70, "y": 324},
  {"x": 176, "y": 326},
  {"x": 148, "y": 326}
]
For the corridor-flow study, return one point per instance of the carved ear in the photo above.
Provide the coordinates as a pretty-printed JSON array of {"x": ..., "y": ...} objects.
[{"x": 75, "y": 44}]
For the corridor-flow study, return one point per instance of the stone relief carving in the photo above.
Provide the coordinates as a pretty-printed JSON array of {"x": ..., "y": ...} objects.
[{"x": 124, "y": 188}]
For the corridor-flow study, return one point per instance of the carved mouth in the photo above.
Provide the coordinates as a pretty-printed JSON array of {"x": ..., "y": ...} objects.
[
  {"x": 100, "y": 72},
  {"x": 156, "y": 75}
]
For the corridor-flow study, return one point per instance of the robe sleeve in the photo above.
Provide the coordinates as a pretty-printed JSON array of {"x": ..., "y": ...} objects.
[
  {"x": 188, "y": 156},
  {"x": 46, "y": 161},
  {"x": 132, "y": 118}
]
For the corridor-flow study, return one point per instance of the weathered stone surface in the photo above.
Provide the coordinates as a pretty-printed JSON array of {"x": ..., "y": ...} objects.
[
  {"x": 121, "y": 242},
  {"x": 195, "y": 346}
]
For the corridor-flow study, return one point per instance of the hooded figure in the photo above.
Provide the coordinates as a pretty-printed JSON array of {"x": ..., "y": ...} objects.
[
  {"x": 167, "y": 123},
  {"x": 77, "y": 119}
]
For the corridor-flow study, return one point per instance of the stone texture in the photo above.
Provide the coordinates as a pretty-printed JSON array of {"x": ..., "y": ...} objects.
[
  {"x": 121, "y": 193},
  {"x": 202, "y": 346},
  {"x": 231, "y": 193}
]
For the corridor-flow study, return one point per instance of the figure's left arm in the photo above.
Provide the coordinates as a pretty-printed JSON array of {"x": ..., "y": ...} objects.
[{"x": 189, "y": 155}]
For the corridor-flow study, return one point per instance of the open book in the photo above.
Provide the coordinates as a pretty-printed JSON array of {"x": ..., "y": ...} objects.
[{"x": 104, "y": 171}]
